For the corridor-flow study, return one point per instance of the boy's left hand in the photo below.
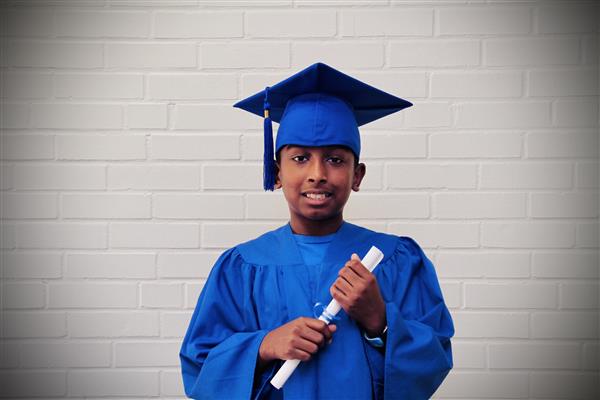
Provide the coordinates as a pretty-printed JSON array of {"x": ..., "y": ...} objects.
[{"x": 357, "y": 292}]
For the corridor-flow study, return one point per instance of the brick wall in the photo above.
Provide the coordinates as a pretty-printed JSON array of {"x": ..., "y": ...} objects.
[{"x": 125, "y": 171}]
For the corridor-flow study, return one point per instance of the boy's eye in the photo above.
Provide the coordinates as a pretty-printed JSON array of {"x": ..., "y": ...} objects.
[
  {"x": 335, "y": 160},
  {"x": 300, "y": 158}
]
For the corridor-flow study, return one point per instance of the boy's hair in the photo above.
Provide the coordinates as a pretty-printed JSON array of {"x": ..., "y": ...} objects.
[{"x": 278, "y": 155}]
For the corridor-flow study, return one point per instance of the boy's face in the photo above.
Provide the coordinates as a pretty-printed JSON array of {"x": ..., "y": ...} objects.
[{"x": 317, "y": 181}]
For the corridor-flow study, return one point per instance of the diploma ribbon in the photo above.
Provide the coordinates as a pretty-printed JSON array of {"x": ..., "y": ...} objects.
[{"x": 370, "y": 261}]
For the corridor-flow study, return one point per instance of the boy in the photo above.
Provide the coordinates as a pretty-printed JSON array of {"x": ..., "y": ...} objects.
[{"x": 393, "y": 339}]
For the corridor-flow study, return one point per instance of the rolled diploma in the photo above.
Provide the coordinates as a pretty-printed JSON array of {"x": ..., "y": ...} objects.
[{"x": 370, "y": 261}]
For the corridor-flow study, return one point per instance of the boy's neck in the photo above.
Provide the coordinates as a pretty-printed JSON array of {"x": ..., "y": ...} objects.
[{"x": 309, "y": 227}]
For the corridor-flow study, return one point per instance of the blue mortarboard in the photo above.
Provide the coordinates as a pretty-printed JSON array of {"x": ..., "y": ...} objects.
[{"x": 318, "y": 106}]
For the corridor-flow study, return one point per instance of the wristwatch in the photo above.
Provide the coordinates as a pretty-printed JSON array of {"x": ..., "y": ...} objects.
[{"x": 377, "y": 341}]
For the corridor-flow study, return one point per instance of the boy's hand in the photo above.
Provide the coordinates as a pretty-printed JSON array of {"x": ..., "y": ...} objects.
[
  {"x": 357, "y": 292},
  {"x": 297, "y": 340}
]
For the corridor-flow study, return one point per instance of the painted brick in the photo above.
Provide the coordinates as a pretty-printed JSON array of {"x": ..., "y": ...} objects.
[
  {"x": 534, "y": 356},
  {"x": 441, "y": 234},
  {"x": 388, "y": 206},
  {"x": 162, "y": 295},
  {"x": 186, "y": 265},
  {"x": 192, "y": 294},
  {"x": 213, "y": 117},
  {"x": 523, "y": 175},
  {"x": 476, "y": 84},
  {"x": 6, "y": 176},
  {"x": 47, "y": 383},
  {"x": 23, "y": 295},
  {"x": 387, "y": 22},
  {"x": 587, "y": 175},
  {"x": 147, "y": 354},
  {"x": 452, "y": 293},
  {"x": 100, "y": 147},
  {"x": 204, "y": 24},
  {"x": 110, "y": 265},
  {"x": 266, "y": 206},
  {"x": 31, "y": 265},
  {"x": 580, "y": 114},
  {"x": 14, "y": 116},
  {"x": 511, "y": 295},
  {"x": 571, "y": 144},
  {"x": 485, "y": 385},
  {"x": 373, "y": 180},
  {"x": 175, "y": 324},
  {"x": 484, "y": 20},
  {"x": 422, "y": 176},
  {"x": 342, "y": 54},
  {"x": 59, "y": 176},
  {"x": 590, "y": 49},
  {"x": 428, "y": 115},
  {"x": 113, "y": 383},
  {"x": 201, "y": 206},
  {"x": 113, "y": 324},
  {"x": 194, "y": 147},
  {"x": 579, "y": 295},
  {"x": 106, "y": 24},
  {"x": 434, "y": 53},
  {"x": 527, "y": 234},
  {"x": 569, "y": 82},
  {"x": 171, "y": 384},
  {"x": 475, "y": 145},
  {"x": 393, "y": 146},
  {"x": 146, "y": 116},
  {"x": 27, "y": 147},
  {"x": 153, "y": 177},
  {"x": 567, "y": 19},
  {"x": 8, "y": 236},
  {"x": 482, "y": 265},
  {"x": 588, "y": 235},
  {"x": 151, "y": 55},
  {"x": 564, "y": 205},
  {"x": 278, "y": 24},
  {"x": 53, "y": 54},
  {"x": 224, "y": 235},
  {"x": 77, "y": 116},
  {"x": 512, "y": 115},
  {"x": 26, "y": 85},
  {"x": 192, "y": 86},
  {"x": 92, "y": 295},
  {"x": 591, "y": 356},
  {"x": 245, "y": 54},
  {"x": 562, "y": 385},
  {"x": 232, "y": 176},
  {"x": 9, "y": 355},
  {"x": 99, "y": 86},
  {"x": 479, "y": 205},
  {"x": 564, "y": 325},
  {"x": 28, "y": 205},
  {"x": 468, "y": 355},
  {"x": 45, "y": 324},
  {"x": 531, "y": 51},
  {"x": 154, "y": 235},
  {"x": 410, "y": 84},
  {"x": 580, "y": 265},
  {"x": 65, "y": 355},
  {"x": 62, "y": 235},
  {"x": 104, "y": 205},
  {"x": 491, "y": 324},
  {"x": 28, "y": 22}
]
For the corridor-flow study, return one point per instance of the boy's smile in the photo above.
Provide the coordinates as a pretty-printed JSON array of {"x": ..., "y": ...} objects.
[{"x": 317, "y": 182}]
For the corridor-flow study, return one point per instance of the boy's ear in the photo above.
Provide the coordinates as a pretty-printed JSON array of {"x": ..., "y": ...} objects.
[
  {"x": 277, "y": 177},
  {"x": 359, "y": 173}
]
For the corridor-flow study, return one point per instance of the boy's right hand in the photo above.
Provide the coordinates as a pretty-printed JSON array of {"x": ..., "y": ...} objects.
[{"x": 297, "y": 340}]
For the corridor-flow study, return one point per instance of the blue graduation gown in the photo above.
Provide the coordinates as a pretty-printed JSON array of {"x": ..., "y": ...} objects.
[{"x": 262, "y": 284}]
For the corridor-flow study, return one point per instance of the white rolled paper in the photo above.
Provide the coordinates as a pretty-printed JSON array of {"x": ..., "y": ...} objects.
[{"x": 370, "y": 261}]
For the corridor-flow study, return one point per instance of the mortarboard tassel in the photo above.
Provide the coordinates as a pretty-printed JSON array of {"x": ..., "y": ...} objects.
[{"x": 269, "y": 157}]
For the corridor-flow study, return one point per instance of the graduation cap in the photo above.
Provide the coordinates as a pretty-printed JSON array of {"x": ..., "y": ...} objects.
[{"x": 318, "y": 106}]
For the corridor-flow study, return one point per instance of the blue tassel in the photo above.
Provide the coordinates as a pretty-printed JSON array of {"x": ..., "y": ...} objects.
[{"x": 269, "y": 156}]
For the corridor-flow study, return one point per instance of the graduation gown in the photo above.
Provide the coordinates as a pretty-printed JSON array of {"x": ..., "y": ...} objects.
[{"x": 262, "y": 284}]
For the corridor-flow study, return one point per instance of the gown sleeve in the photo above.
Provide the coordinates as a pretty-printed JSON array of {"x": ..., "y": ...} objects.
[
  {"x": 417, "y": 355},
  {"x": 219, "y": 351}
]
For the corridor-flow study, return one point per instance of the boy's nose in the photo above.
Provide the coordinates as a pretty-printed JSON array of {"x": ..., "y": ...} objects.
[{"x": 317, "y": 172}]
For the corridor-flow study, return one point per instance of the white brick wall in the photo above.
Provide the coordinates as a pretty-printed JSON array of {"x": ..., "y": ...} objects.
[{"x": 125, "y": 171}]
